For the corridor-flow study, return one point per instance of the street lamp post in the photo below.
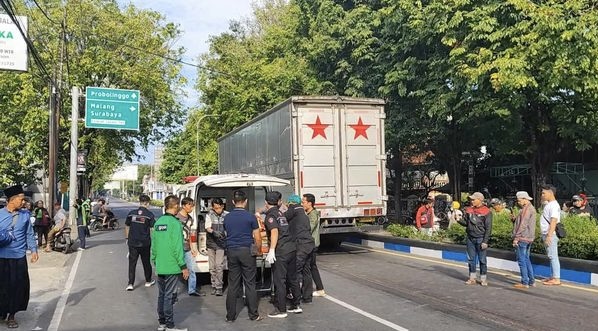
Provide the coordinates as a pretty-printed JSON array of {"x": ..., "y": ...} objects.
[{"x": 197, "y": 135}]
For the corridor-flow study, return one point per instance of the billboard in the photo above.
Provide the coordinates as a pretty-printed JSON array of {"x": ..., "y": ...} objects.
[
  {"x": 126, "y": 172},
  {"x": 13, "y": 48}
]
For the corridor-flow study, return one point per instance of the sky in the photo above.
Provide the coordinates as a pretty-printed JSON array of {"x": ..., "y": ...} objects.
[{"x": 198, "y": 20}]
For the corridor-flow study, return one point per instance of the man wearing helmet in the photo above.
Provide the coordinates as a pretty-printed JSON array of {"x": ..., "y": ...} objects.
[{"x": 580, "y": 206}]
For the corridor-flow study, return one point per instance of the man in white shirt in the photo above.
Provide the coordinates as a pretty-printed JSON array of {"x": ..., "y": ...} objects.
[
  {"x": 551, "y": 215},
  {"x": 60, "y": 218}
]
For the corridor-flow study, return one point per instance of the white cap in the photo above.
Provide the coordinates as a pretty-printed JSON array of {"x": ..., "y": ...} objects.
[{"x": 523, "y": 195}]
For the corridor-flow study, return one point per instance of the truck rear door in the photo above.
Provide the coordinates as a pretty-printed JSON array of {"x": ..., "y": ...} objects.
[{"x": 363, "y": 157}]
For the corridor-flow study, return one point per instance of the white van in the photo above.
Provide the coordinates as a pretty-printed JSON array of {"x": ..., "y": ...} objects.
[{"x": 205, "y": 188}]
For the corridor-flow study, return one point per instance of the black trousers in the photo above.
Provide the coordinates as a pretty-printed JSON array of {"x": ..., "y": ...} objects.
[
  {"x": 241, "y": 265},
  {"x": 42, "y": 233},
  {"x": 315, "y": 273},
  {"x": 14, "y": 286},
  {"x": 134, "y": 253},
  {"x": 304, "y": 257},
  {"x": 284, "y": 272}
]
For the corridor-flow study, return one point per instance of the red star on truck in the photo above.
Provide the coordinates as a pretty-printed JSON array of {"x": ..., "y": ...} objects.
[
  {"x": 319, "y": 128},
  {"x": 360, "y": 129}
]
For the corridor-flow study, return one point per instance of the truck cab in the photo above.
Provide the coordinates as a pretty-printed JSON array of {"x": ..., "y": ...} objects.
[{"x": 205, "y": 188}]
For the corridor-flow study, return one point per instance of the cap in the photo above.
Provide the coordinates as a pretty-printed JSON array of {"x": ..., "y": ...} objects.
[
  {"x": 456, "y": 205},
  {"x": 523, "y": 195},
  {"x": 477, "y": 196},
  {"x": 495, "y": 201},
  {"x": 12, "y": 191},
  {"x": 273, "y": 197},
  {"x": 574, "y": 198},
  {"x": 294, "y": 199}
]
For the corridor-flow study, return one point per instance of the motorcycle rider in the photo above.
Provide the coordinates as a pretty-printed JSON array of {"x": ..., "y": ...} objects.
[{"x": 60, "y": 218}]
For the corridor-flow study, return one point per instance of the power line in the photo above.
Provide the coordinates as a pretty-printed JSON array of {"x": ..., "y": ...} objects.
[{"x": 44, "y": 12}]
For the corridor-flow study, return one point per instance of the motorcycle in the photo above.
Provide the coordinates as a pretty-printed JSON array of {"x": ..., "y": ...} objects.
[
  {"x": 97, "y": 223},
  {"x": 63, "y": 240}
]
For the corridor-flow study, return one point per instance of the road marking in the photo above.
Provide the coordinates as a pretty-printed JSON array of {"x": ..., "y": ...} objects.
[
  {"x": 366, "y": 314},
  {"x": 460, "y": 265},
  {"x": 57, "y": 317}
]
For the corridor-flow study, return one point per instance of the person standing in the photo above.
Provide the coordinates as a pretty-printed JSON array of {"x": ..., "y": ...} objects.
[
  {"x": 551, "y": 215},
  {"x": 138, "y": 227},
  {"x": 42, "y": 222},
  {"x": 308, "y": 202},
  {"x": 189, "y": 249},
  {"x": 301, "y": 231},
  {"x": 242, "y": 231},
  {"x": 215, "y": 242},
  {"x": 60, "y": 219},
  {"x": 281, "y": 257},
  {"x": 14, "y": 273},
  {"x": 86, "y": 209},
  {"x": 169, "y": 259},
  {"x": 81, "y": 224},
  {"x": 424, "y": 218},
  {"x": 524, "y": 231},
  {"x": 580, "y": 206},
  {"x": 478, "y": 222}
]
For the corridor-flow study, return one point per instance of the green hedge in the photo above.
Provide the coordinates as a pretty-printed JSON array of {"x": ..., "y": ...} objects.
[
  {"x": 157, "y": 203},
  {"x": 581, "y": 241}
]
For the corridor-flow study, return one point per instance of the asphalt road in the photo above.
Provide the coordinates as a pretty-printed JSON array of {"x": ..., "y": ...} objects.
[{"x": 368, "y": 290}]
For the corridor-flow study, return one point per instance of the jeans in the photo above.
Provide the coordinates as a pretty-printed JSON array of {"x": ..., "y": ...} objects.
[
  {"x": 525, "y": 264},
  {"x": 216, "y": 262},
  {"x": 81, "y": 231},
  {"x": 304, "y": 257},
  {"x": 134, "y": 253},
  {"x": 315, "y": 273},
  {"x": 42, "y": 233},
  {"x": 476, "y": 254},
  {"x": 241, "y": 265},
  {"x": 166, "y": 298},
  {"x": 553, "y": 254},
  {"x": 192, "y": 281},
  {"x": 284, "y": 272}
]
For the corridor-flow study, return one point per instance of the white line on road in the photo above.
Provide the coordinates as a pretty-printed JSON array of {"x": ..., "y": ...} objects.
[
  {"x": 366, "y": 314},
  {"x": 55, "y": 323}
]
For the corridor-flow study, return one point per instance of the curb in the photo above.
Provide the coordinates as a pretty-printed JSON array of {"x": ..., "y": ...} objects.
[{"x": 573, "y": 270}]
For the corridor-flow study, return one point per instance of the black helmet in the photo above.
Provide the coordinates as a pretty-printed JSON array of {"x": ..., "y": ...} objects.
[{"x": 576, "y": 198}]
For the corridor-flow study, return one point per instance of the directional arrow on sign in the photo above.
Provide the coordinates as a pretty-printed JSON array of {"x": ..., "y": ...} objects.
[
  {"x": 134, "y": 96},
  {"x": 132, "y": 108}
]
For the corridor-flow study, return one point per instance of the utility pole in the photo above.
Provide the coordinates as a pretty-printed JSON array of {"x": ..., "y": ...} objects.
[
  {"x": 52, "y": 142},
  {"x": 73, "y": 170}
]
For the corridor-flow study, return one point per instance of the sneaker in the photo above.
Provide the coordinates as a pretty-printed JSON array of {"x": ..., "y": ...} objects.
[
  {"x": 277, "y": 314},
  {"x": 521, "y": 286},
  {"x": 295, "y": 309},
  {"x": 150, "y": 283},
  {"x": 162, "y": 327},
  {"x": 175, "y": 329},
  {"x": 319, "y": 293},
  {"x": 218, "y": 292},
  {"x": 484, "y": 283},
  {"x": 130, "y": 287},
  {"x": 213, "y": 291},
  {"x": 80, "y": 249},
  {"x": 256, "y": 318}
]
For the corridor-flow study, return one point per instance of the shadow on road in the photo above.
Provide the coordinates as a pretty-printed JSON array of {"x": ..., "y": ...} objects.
[{"x": 75, "y": 298}]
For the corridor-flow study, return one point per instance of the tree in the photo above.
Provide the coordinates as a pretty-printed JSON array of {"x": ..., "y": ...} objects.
[{"x": 106, "y": 46}]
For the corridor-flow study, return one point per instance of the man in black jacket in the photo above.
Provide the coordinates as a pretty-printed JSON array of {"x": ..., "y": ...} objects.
[
  {"x": 478, "y": 222},
  {"x": 301, "y": 230},
  {"x": 138, "y": 227}
]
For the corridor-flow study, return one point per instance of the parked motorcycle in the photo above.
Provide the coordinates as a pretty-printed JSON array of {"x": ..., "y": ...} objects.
[
  {"x": 63, "y": 240},
  {"x": 97, "y": 222}
]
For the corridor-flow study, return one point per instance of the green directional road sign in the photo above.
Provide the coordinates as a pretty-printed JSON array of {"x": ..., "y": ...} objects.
[{"x": 107, "y": 108}]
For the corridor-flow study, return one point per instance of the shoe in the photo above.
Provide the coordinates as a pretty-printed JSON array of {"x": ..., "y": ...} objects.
[
  {"x": 295, "y": 309},
  {"x": 80, "y": 249},
  {"x": 229, "y": 321},
  {"x": 213, "y": 291},
  {"x": 194, "y": 294},
  {"x": 521, "y": 286},
  {"x": 12, "y": 324},
  {"x": 150, "y": 283},
  {"x": 470, "y": 282},
  {"x": 532, "y": 284},
  {"x": 162, "y": 327},
  {"x": 277, "y": 314},
  {"x": 218, "y": 292},
  {"x": 175, "y": 329},
  {"x": 484, "y": 283},
  {"x": 130, "y": 287},
  {"x": 552, "y": 282},
  {"x": 256, "y": 318},
  {"x": 319, "y": 293}
]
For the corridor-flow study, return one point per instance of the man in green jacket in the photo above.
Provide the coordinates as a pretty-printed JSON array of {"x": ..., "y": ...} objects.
[{"x": 169, "y": 259}]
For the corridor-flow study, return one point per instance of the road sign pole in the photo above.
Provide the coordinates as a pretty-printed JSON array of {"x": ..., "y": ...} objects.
[{"x": 73, "y": 169}]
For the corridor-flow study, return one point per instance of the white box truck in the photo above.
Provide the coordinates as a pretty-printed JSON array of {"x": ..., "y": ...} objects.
[{"x": 332, "y": 147}]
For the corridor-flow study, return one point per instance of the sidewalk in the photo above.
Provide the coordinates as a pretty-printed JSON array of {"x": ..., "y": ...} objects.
[{"x": 47, "y": 277}]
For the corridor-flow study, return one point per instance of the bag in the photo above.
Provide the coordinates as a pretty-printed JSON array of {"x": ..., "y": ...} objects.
[
  {"x": 7, "y": 235},
  {"x": 560, "y": 230},
  {"x": 423, "y": 219},
  {"x": 255, "y": 250}
]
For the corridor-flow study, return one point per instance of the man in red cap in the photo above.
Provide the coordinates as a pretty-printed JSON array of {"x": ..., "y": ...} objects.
[
  {"x": 14, "y": 273},
  {"x": 478, "y": 222}
]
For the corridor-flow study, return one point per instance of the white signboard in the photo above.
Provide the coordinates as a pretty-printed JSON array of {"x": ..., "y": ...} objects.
[
  {"x": 126, "y": 172},
  {"x": 13, "y": 48}
]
